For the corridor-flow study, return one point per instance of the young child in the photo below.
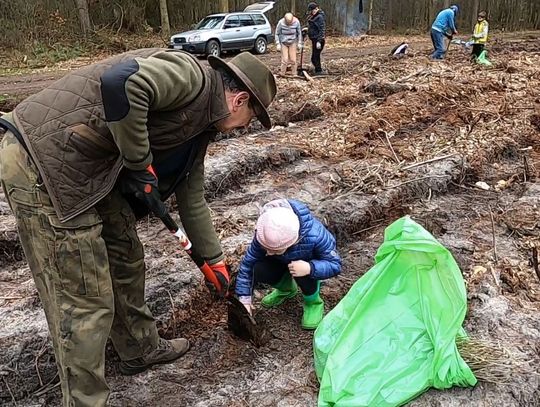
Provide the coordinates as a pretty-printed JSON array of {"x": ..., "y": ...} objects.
[
  {"x": 480, "y": 35},
  {"x": 291, "y": 249}
]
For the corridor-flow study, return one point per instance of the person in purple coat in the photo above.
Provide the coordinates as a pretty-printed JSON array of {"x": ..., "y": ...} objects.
[{"x": 290, "y": 249}]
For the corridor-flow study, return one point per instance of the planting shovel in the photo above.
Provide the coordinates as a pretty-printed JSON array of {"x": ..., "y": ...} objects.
[
  {"x": 301, "y": 71},
  {"x": 217, "y": 283},
  {"x": 242, "y": 323},
  {"x": 450, "y": 38},
  {"x": 239, "y": 320}
]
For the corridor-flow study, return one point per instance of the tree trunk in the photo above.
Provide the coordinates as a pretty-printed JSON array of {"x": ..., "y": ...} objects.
[
  {"x": 164, "y": 13},
  {"x": 224, "y": 6},
  {"x": 475, "y": 11},
  {"x": 293, "y": 6},
  {"x": 389, "y": 15},
  {"x": 84, "y": 16},
  {"x": 446, "y": 3},
  {"x": 370, "y": 20},
  {"x": 432, "y": 12},
  {"x": 350, "y": 9}
]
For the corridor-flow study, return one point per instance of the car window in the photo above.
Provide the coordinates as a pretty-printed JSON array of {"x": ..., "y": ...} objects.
[
  {"x": 210, "y": 22},
  {"x": 246, "y": 20},
  {"x": 259, "y": 19},
  {"x": 232, "y": 21}
]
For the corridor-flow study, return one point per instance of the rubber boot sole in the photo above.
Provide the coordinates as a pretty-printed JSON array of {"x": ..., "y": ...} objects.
[
  {"x": 309, "y": 328},
  {"x": 133, "y": 370}
]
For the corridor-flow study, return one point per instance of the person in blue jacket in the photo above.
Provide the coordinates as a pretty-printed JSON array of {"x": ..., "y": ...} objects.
[
  {"x": 290, "y": 249},
  {"x": 443, "y": 26}
]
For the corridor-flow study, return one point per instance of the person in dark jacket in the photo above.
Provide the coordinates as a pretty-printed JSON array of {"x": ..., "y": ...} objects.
[
  {"x": 291, "y": 249},
  {"x": 141, "y": 119},
  {"x": 316, "y": 33}
]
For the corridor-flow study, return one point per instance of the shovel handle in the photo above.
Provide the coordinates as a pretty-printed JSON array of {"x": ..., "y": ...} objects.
[{"x": 187, "y": 246}]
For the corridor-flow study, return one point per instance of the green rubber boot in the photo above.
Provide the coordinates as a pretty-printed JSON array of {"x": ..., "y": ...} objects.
[
  {"x": 313, "y": 311},
  {"x": 286, "y": 288}
]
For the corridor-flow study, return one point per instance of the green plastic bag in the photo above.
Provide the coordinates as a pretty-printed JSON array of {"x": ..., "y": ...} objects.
[
  {"x": 393, "y": 336},
  {"x": 482, "y": 59}
]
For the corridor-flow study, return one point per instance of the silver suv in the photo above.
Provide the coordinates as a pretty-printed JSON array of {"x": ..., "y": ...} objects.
[{"x": 215, "y": 33}]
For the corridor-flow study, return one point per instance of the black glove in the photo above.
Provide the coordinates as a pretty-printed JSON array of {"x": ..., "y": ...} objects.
[{"x": 143, "y": 185}]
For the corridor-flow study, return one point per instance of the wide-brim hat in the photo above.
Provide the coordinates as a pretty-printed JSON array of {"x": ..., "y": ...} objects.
[{"x": 253, "y": 75}]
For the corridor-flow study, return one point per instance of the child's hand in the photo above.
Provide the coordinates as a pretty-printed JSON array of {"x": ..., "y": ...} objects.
[
  {"x": 299, "y": 268},
  {"x": 249, "y": 308},
  {"x": 246, "y": 302}
]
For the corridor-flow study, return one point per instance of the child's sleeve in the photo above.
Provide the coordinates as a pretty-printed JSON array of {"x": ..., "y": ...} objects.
[
  {"x": 244, "y": 279},
  {"x": 326, "y": 262}
]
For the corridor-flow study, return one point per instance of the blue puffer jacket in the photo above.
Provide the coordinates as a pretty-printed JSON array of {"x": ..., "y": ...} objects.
[{"x": 316, "y": 246}]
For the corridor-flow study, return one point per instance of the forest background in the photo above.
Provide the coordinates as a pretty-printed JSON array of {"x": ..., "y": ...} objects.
[{"x": 40, "y": 32}]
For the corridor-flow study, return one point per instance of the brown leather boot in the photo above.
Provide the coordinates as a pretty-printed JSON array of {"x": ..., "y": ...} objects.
[{"x": 166, "y": 352}]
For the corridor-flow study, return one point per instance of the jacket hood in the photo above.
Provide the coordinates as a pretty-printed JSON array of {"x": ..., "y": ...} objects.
[{"x": 304, "y": 215}]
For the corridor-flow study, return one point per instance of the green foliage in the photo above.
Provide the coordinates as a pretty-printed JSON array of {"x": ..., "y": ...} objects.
[{"x": 46, "y": 55}]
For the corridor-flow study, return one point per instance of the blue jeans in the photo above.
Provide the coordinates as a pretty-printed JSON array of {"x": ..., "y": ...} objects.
[{"x": 437, "y": 38}]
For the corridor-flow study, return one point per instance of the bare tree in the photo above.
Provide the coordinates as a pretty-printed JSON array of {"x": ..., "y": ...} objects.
[
  {"x": 348, "y": 20},
  {"x": 84, "y": 16},
  {"x": 389, "y": 13},
  {"x": 224, "y": 6},
  {"x": 475, "y": 11},
  {"x": 370, "y": 18},
  {"x": 164, "y": 12}
]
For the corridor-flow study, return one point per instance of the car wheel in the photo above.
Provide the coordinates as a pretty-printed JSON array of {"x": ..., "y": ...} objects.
[
  {"x": 260, "y": 45},
  {"x": 213, "y": 48}
]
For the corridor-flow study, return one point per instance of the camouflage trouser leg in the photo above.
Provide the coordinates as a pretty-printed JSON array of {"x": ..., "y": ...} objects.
[
  {"x": 134, "y": 330},
  {"x": 70, "y": 266}
]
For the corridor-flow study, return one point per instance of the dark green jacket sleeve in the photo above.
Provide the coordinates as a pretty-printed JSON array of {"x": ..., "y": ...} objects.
[
  {"x": 132, "y": 89},
  {"x": 194, "y": 211}
]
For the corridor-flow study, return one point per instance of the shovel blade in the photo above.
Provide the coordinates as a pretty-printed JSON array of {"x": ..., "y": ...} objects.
[{"x": 243, "y": 325}]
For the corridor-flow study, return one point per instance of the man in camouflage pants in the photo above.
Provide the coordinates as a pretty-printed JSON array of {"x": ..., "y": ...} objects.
[{"x": 70, "y": 160}]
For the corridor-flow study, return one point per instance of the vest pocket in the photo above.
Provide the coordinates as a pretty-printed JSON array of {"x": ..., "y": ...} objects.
[
  {"x": 81, "y": 254},
  {"x": 89, "y": 135}
]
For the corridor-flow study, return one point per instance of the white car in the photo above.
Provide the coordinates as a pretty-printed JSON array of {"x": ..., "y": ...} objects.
[{"x": 246, "y": 30}]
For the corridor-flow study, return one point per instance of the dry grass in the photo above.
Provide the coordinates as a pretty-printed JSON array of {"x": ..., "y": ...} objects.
[
  {"x": 394, "y": 113},
  {"x": 493, "y": 363}
]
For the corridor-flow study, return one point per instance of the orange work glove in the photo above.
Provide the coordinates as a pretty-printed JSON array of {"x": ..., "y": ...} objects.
[{"x": 221, "y": 271}]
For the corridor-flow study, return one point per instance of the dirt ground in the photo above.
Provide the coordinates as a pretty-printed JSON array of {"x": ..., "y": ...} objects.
[{"x": 454, "y": 145}]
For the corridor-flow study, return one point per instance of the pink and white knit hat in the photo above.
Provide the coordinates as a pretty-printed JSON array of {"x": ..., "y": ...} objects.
[{"x": 278, "y": 228}]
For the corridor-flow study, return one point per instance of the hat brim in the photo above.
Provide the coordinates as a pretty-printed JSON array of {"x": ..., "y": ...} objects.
[{"x": 260, "y": 109}]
